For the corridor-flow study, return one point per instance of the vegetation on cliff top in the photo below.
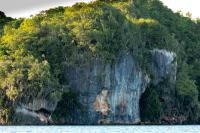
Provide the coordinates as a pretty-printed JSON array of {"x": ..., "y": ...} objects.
[{"x": 35, "y": 51}]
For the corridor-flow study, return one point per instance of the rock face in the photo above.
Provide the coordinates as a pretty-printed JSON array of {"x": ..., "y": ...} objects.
[
  {"x": 164, "y": 68},
  {"x": 28, "y": 116},
  {"x": 163, "y": 65},
  {"x": 110, "y": 93},
  {"x": 101, "y": 103},
  {"x": 38, "y": 104},
  {"x": 38, "y": 111},
  {"x": 114, "y": 89}
]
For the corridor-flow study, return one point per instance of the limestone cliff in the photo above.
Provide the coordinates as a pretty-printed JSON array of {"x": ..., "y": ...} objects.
[
  {"x": 110, "y": 93},
  {"x": 104, "y": 62},
  {"x": 123, "y": 81}
]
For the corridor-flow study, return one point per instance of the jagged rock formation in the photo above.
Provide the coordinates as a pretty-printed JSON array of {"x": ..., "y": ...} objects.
[
  {"x": 164, "y": 65},
  {"x": 38, "y": 104},
  {"x": 164, "y": 69},
  {"x": 28, "y": 116},
  {"x": 110, "y": 92},
  {"x": 102, "y": 103},
  {"x": 115, "y": 89},
  {"x": 39, "y": 110},
  {"x": 123, "y": 81}
]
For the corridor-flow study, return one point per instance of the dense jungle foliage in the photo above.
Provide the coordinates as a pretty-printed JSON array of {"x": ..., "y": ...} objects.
[{"x": 34, "y": 51}]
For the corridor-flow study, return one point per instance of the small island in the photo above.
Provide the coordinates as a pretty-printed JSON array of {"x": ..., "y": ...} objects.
[{"x": 110, "y": 62}]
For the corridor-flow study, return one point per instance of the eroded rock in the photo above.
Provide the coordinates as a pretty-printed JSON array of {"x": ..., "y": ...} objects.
[
  {"x": 110, "y": 92},
  {"x": 164, "y": 65},
  {"x": 124, "y": 81},
  {"x": 101, "y": 103}
]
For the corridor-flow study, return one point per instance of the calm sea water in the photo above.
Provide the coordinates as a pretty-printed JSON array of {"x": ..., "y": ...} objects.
[{"x": 100, "y": 129}]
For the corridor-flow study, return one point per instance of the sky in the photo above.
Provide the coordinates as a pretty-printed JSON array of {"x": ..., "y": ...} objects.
[
  {"x": 25, "y": 8},
  {"x": 192, "y": 6}
]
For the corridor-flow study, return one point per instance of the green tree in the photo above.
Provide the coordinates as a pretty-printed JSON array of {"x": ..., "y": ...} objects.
[
  {"x": 67, "y": 108},
  {"x": 187, "y": 95},
  {"x": 150, "y": 106}
]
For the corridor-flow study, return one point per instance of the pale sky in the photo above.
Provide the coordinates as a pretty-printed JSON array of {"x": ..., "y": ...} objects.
[
  {"x": 192, "y": 6},
  {"x": 25, "y": 8}
]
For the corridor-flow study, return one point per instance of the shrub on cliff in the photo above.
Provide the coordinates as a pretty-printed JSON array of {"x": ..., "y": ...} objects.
[
  {"x": 67, "y": 109},
  {"x": 187, "y": 95},
  {"x": 3, "y": 20},
  {"x": 150, "y": 106}
]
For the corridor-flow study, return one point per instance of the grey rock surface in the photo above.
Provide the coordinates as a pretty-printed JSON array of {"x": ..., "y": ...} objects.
[{"x": 122, "y": 81}]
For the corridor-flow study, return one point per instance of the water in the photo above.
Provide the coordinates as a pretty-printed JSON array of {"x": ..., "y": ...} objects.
[{"x": 99, "y": 129}]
